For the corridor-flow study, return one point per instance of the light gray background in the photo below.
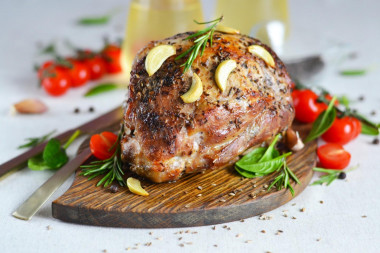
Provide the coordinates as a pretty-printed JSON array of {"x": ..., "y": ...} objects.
[{"x": 317, "y": 26}]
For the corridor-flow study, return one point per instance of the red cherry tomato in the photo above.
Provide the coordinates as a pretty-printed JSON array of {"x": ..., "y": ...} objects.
[
  {"x": 101, "y": 145},
  {"x": 342, "y": 130},
  {"x": 333, "y": 156},
  {"x": 79, "y": 73},
  {"x": 56, "y": 81},
  {"x": 306, "y": 106},
  {"x": 112, "y": 56},
  {"x": 96, "y": 66},
  {"x": 46, "y": 66}
]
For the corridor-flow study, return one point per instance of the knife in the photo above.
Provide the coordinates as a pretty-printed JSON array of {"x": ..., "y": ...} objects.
[
  {"x": 43, "y": 193},
  {"x": 92, "y": 126}
]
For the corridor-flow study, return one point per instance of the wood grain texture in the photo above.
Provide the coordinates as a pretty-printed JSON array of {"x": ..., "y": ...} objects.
[{"x": 183, "y": 203}]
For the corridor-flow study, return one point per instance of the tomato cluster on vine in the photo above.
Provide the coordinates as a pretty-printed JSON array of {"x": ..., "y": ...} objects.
[{"x": 58, "y": 75}]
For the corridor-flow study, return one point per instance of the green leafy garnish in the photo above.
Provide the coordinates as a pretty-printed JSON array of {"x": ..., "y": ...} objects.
[
  {"x": 102, "y": 88},
  {"x": 282, "y": 180},
  {"x": 111, "y": 168},
  {"x": 368, "y": 127},
  {"x": 99, "y": 20},
  {"x": 53, "y": 156},
  {"x": 200, "y": 43},
  {"x": 344, "y": 101},
  {"x": 323, "y": 122},
  {"x": 49, "y": 49},
  {"x": 353, "y": 72},
  {"x": 34, "y": 141}
]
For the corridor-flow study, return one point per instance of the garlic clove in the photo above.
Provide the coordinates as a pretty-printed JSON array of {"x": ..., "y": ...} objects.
[
  {"x": 222, "y": 73},
  {"x": 134, "y": 186},
  {"x": 262, "y": 53},
  {"x": 226, "y": 29},
  {"x": 30, "y": 106},
  {"x": 157, "y": 56},
  {"x": 195, "y": 91},
  {"x": 293, "y": 140}
]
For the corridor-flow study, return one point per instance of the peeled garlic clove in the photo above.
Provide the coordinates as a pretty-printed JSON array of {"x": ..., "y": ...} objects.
[
  {"x": 30, "y": 106},
  {"x": 262, "y": 53},
  {"x": 222, "y": 73},
  {"x": 157, "y": 56},
  {"x": 195, "y": 91},
  {"x": 226, "y": 29},
  {"x": 135, "y": 187},
  {"x": 293, "y": 140}
]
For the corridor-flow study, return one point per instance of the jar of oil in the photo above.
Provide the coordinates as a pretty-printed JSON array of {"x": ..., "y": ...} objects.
[{"x": 157, "y": 19}]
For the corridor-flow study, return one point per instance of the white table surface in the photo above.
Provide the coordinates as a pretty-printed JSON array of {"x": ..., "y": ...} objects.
[{"x": 317, "y": 25}]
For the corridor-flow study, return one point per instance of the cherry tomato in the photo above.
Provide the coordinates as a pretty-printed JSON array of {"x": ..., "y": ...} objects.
[
  {"x": 333, "y": 156},
  {"x": 306, "y": 106},
  {"x": 79, "y": 73},
  {"x": 47, "y": 65},
  {"x": 96, "y": 66},
  {"x": 56, "y": 81},
  {"x": 112, "y": 56},
  {"x": 342, "y": 130},
  {"x": 101, "y": 145}
]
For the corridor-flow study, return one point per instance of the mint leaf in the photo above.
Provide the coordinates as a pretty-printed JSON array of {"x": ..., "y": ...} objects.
[
  {"x": 54, "y": 155},
  {"x": 323, "y": 122}
]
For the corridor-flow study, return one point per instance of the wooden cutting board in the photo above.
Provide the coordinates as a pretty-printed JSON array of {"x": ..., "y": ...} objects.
[{"x": 195, "y": 200}]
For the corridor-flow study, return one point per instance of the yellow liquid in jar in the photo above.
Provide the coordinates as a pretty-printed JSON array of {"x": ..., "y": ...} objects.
[
  {"x": 154, "y": 20},
  {"x": 246, "y": 15}
]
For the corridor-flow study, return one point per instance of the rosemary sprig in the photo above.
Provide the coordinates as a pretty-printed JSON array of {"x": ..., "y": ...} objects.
[
  {"x": 200, "y": 43},
  {"x": 34, "y": 141},
  {"x": 282, "y": 180},
  {"x": 112, "y": 167}
]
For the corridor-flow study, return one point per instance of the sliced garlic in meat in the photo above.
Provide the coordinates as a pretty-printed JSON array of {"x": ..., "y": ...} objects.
[
  {"x": 134, "y": 186},
  {"x": 157, "y": 56},
  {"x": 262, "y": 53},
  {"x": 226, "y": 29},
  {"x": 195, "y": 91},
  {"x": 222, "y": 73}
]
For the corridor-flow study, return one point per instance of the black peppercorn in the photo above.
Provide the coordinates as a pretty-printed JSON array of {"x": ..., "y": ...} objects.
[
  {"x": 114, "y": 188},
  {"x": 375, "y": 141},
  {"x": 91, "y": 109},
  {"x": 342, "y": 175},
  {"x": 361, "y": 98},
  {"x": 76, "y": 110}
]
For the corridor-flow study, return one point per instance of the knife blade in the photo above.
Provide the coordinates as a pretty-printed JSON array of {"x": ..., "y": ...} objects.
[
  {"x": 43, "y": 193},
  {"x": 92, "y": 126}
]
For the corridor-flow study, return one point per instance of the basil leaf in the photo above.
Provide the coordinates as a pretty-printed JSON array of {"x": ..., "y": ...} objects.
[
  {"x": 54, "y": 155},
  {"x": 252, "y": 157},
  {"x": 353, "y": 72},
  {"x": 269, "y": 153},
  {"x": 102, "y": 88},
  {"x": 265, "y": 167},
  {"x": 246, "y": 174},
  {"x": 100, "y": 20},
  {"x": 323, "y": 122},
  {"x": 37, "y": 163},
  {"x": 369, "y": 129}
]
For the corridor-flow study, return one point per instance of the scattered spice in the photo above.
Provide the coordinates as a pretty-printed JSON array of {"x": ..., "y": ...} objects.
[
  {"x": 187, "y": 205},
  {"x": 376, "y": 141},
  {"x": 373, "y": 113},
  {"x": 302, "y": 209},
  {"x": 231, "y": 194},
  {"x": 114, "y": 188},
  {"x": 364, "y": 216},
  {"x": 105, "y": 251},
  {"x": 215, "y": 245},
  {"x": 182, "y": 245},
  {"x": 265, "y": 217},
  {"x": 342, "y": 175},
  {"x": 150, "y": 233},
  {"x": 242, "y": 220},
  {"x": 251, "y": 195},
  {"x": 361, "y": 98},
  {"x": 293, "y": 204},
  {"x": 213, "y": 184},
  {"x": 248, "y": 241},
  {"x": 294, "y": 218},
  {"x": 159, "y": 238},
  {"x": 238, "y": 235},
  {"x": 199, "y": 195},
  {"x": 213, "y": 228},
  {"x": 263, "y": 231},
  {"x": 222, "y": 200},
  {"x": 321, "y": 201},
  {"x": 199, "y": 188},
  {"x": 266, "y": 186},
  {"x": 189, "y": 243},
  {"x": 148, "y": 244},
  {"x": 318, "y": 239},
  {"x": 254, "y": 185},
  {"x": 180, "y": 238},
  {"x": 127, "y": 249},
  {"x": 48, "y": 227},
  {"x": 76, "y": 110},
  {"x": 91, "y": 109}
]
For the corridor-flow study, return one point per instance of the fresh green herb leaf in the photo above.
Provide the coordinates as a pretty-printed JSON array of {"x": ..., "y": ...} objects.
[
  {"x": 111, "y": 168},
  {"x": 204, "y": 37},
  {"x": 37, "y": 163},
  {"x": 34, "y": 141},
  {"x": 54, "y": 155},
  {"x": 344, "y": 101},
  {"x": 353, "y": 72},
  {"x": 282, "y": 180},
  {"x": 323, "y": 122},
  {"x": 330, "y": 176},
  {"x": 369, "y": 129},
  {"x": 49, "y": 49},
  {"x": 102, "y": 88},
  {"x": 99, "y": 20}
]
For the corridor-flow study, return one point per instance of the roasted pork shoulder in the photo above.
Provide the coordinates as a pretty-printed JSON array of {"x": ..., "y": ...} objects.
[{"x": 165, "y": 137}]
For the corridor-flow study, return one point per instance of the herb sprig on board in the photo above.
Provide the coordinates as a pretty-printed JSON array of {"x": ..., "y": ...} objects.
[
  {"x": 263, "y": 161},
  {"x": 111, "y": 168},
  {"x": 204, "y": 36}
]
